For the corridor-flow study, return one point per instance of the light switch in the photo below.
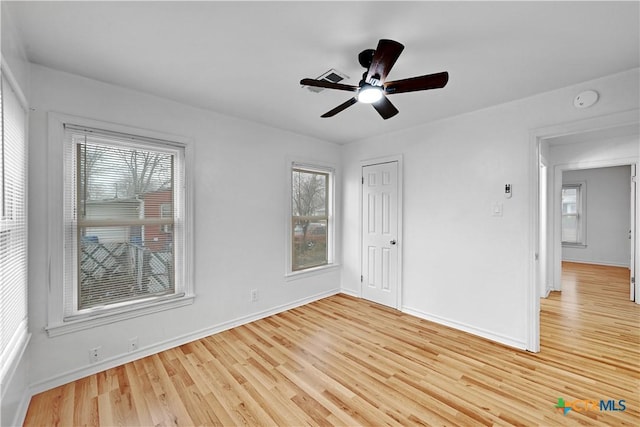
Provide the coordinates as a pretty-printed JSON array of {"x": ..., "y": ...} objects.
[{"x": 497, "y": 209}]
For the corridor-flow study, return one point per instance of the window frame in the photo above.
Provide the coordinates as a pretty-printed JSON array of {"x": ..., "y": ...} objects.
[
  {"x": 59, "y": 320},
  {"x": 581, "y": 208},
  {"x": 330, "y": 171}
]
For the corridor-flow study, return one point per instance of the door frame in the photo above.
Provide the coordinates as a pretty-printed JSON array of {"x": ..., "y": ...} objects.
[
  {"x": 538, "y": 137},
  {"x": 376, "y": 161},
  {"x": 634, "y": 236}
]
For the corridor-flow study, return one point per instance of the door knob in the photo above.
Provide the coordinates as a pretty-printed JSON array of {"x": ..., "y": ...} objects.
[{"x": 393, "y": 242}]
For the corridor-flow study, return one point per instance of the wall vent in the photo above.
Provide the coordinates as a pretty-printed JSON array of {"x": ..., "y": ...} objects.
[{"x": 332, "y": 76}]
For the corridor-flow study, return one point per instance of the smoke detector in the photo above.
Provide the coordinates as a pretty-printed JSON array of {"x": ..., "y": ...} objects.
[
  {"x": 585, "y": 99},
  {"x": 332, "y": 76}
]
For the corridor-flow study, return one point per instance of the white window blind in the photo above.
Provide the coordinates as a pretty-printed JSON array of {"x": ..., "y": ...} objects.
[
  {"x": 124, "y": 220},
  {"x": 13, "y": 224}
]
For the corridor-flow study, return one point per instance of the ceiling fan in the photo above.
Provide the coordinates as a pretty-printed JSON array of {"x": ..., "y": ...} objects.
[{"x": 373, "y": 87}]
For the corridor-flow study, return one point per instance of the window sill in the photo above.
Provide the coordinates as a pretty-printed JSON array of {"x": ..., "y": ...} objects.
[
  {"x": 314, "y": 271},
  {"x": 574, "y": 245},
  {"x": 105, "y": 317}
]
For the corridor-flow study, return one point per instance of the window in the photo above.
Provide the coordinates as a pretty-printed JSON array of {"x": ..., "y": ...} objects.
[
  {"x": 13, "y": 224},
  {"x": 311, "y": 217},
  {"x": 120, "y": 205},
  {"x": 126, "y": 226},
  {"x": 573, "y": 217}
]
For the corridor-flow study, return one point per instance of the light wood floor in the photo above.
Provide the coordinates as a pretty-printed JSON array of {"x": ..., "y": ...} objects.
[{"x": 345, "y": 361}]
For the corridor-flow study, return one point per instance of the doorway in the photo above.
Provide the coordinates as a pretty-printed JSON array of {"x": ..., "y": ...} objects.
[
  {"x": 604, "y": 141},
  {"x": 555, "y": 241},
  {"x": 597, "y": 217},
  {"x": 381, "y": 231}
]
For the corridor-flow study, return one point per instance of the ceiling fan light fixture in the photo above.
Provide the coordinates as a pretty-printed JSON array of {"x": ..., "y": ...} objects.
[{"x": 369, "y": 94}]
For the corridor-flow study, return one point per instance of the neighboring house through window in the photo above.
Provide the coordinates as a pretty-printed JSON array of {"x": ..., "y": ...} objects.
[{"x": 166, "y": 211}]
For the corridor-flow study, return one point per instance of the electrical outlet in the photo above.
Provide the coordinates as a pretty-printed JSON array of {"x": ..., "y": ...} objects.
[
  {"x": 95, "y": 354},
  {"x": 133, "y": 344},
  {"x": 254, "y": 295}
]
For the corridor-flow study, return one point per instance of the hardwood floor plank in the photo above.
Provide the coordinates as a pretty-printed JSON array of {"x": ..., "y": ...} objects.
[
  {"x": 171, "y": 401},
  {"x": 85, "y": 404},
  {"x": 205, "y": 382},
  {"x": 343, "y": 361}
]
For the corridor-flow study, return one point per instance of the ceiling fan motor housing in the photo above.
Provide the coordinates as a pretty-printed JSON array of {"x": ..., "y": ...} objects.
[{"x": 366, "y": 57}]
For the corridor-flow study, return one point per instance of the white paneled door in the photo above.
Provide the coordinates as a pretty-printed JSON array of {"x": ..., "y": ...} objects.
[{"x": 380, "y": 233}]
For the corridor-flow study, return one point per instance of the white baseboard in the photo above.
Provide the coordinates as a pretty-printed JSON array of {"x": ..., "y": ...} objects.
[
  {"x": 7, "y": 384},
  {"x": 21, "y": 410},
  {"x": 605, "y": 263},
  {"x": 112, "y": 362},
  {"x": 502, "y": 339},
  {"x": 13, "y": 361},
  {"x": 350, "y": 292}
]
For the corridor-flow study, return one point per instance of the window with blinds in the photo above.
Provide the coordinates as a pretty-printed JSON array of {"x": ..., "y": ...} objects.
[
  {"x": 123, "y": 220},
  {"x": 13, "y": 224}
]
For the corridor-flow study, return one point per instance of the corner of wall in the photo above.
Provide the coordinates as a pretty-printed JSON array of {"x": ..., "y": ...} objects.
[{"x": 14, "y": 56}]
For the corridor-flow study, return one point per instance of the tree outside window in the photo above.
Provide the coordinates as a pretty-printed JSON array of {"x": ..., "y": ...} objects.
[{"x": 310, "y": 219}]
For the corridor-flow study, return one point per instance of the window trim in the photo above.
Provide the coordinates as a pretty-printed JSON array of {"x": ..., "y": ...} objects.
[
  {"x": 56, "y": 322},
  {"x": 582, "y": 214},
  {"x": 331, "y": 264}
]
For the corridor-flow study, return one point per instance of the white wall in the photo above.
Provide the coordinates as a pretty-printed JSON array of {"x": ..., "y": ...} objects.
[
  {"x": 241, "y": 202},
  {"x": 607, "y": 216},
  {"x": 462, "y": 266}
]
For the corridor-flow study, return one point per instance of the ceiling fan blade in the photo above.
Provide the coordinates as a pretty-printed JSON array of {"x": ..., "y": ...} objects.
[
  {"x": 384, "y": 57},
  {"x": 328, "y": 85},
  {"x": 339, "y": 108},
  {"x": 385, "y": 108},
  {"x": 429, "y": 81}
]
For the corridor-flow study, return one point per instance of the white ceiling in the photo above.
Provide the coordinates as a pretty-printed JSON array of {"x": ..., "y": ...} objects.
[{"x": 246, "y": 58}]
